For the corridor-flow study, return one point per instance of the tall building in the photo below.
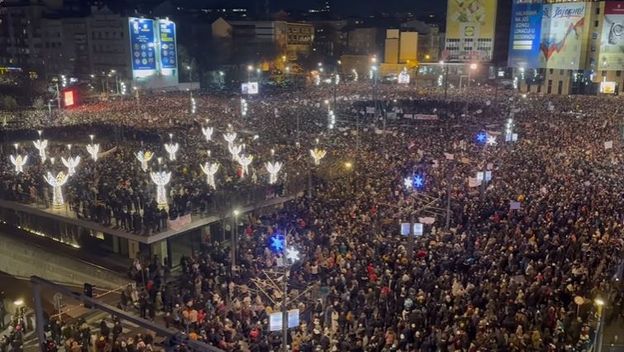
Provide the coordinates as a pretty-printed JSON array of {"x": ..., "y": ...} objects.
[
  {"x": 20, "y": 34},
  {"x": 470, "y": 30}
]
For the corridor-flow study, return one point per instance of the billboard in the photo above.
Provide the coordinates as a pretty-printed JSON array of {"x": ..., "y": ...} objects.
[
  {"x": 142, "y": 43},
  {"x": 526, "y": 25},
  {"x": 612, "y": 39},
  {"x": 249, "y": 88},
  {"x": 563, "y": 26},
  {"x": 168, "y": 50},
  {"x": 607, "y": 87},
  {"x": 470, "y": 28}
]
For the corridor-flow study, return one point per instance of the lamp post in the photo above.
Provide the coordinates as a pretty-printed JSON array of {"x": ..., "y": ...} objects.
[
  {"x": 472, "y": 67},
  {"x": 599, "y": 302},
  {"x": 234, "y": 240},
  {"x": 190, "y": 69},
  {"x": 291, "y": 256}
]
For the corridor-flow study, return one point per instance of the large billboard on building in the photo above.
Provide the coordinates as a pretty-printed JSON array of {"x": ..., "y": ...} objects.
[
  {"x": 612, "y": 39},
  {"x": 526, "y": 26},
  {"x": 563, "y": 26},
  {"x": 142, "y": 44},
  {"x": 168, "y": 50},
  {"x": 470, "y": 28},
  {"x": 154, "y": 52}
]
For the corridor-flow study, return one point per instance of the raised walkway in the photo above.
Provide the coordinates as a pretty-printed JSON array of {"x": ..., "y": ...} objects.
[{"x": 196, "y": 221}]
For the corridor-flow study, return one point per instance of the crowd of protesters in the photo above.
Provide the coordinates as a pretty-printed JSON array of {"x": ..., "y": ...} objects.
[{"x": 508, "y": 273}]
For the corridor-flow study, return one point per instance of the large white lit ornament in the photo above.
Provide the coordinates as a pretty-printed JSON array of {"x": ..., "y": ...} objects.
[
  {"x": 273, "y": 169},
  {"x": 161, "y": 179},
  {"x": 144, "y": 158},
  {"x": 491, "y": 140},
  {"x": 172, "y": 149},
  {"x": 317, "y": 155},
  {"x": 292, "y": 254},
  {"x": 71, "y": 163},
  {"x": 93, "y": 150},
  {"x": 41, "y": 145},
  {"x": 207, "y": 131},
  {"x": 245, "y": 161},
  {"x": 56, "y": 183},
  {"x": 230, "y": 138},
  {"x": 210, "y": 169},
  {"x": 19, "y": 162},
  {"x": 407, "y": 182},
  {"x": 235, "y": 150}
]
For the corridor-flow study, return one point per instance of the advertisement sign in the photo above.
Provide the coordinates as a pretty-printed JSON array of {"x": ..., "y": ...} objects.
[
  {"x": 249, "y": 88},
  {"x": 607, "y": 87},
  {"x": 470, "y": 29},
  {"x": 562, "y": 35},
  {"x": 276, "y": 319},
  {"x": 168, "y": 52},
  {"x": 612, "y": 39},
  {"x": 526, "y": 25},
  {"x": 142, "y": 44}
]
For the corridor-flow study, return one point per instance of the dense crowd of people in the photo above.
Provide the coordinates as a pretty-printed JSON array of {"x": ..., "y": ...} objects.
[{"x": 506, "y": 275}]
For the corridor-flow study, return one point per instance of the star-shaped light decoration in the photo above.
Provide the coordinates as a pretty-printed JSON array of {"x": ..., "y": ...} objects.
[
  {"x": 482, "y": 137},
  {"x": 292, "y": 254},
  {"x": 418, "y": 181},
  {"x": 491, "y": 140},
  {"x": 407, "y": 182},
  {"x": 277, "y": 243}
]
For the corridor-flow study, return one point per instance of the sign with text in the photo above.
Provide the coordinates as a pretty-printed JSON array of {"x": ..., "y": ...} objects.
[
  {"x": 142, "y": 44},
  {"x": 168, "y": 50}
]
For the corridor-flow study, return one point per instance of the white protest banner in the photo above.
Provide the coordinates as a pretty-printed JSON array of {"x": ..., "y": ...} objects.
[
  {"x": 514, "y": 205},
  {"x": 418, "y": 229},
  {"x": 608, "y": 145},
  {"x": 449, "y": 156},
  {"x": 427, "y": 220},
  {"x": 473, "y": 182}
]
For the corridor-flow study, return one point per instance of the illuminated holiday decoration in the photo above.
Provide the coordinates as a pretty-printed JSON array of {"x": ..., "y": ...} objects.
[
  {"x": 161, "y": 179},
  {"x": 245, "y": 161},
  {"x": 56, "y": 183},
  {"x": 230, "y": 138},
  {"x": 172, "y": 149},
  {"x": 93, "y": 149},
  {"x": 277, "y": 243},
  {"x": 144, "y": 158},
  {"x": 41, "y": 145},
  {"x": 317, "y": 155},
  {"x": 244, "y": 107},
  {"x": 71, "y": 163},
  {"x": 207, "y": 131},
  {"x": 210, "y": 169},
  {"x": 292, "y": 254},
  {"x": 235, "y": 150},
  {"x": 482, "y": 137},
  {"x": 273, "y": 169},
  {"x": 491, "y": 140},
  {"x": 19, "y": 162}
]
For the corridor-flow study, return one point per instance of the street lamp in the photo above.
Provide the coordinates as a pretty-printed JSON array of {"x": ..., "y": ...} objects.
[
  {"x": 600, "y": 303},
  {"x": 473, "y": 67},
  {"x": 234, "y": 239},
  {"x": 190, "y": 69}
]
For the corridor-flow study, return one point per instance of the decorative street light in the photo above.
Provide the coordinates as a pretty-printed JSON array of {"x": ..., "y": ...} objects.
[
  {"x": 93, "y": 149},
  {"x": 56, "y": 183},
  {"x": 19, "y": 162},
  {"x": 207, "y": 131},
  {"x": 210, "y": 169},
  {"x": 235, "y": 150},
  {"x": 172, "y": 148},
  {"x": 245, "y": 161},
  {"x": 161, "y": 179},
  {"x": 144, "y": 158},
  {"x": 273, "y": 168},
  {"x": 41, "y": 145},
  {"x": 317, "y": 155},
  {"x": 229, "y": 138}
]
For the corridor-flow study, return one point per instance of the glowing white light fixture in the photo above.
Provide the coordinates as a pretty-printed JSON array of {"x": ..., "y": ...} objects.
[
  {"x": 41, "y": 145},
  {"x": 207, "y": 131},
  {"x": 235, "y": 150},
  {"x": 210, "y": 169},
  {"x": 245, "y": 161},
  {"x": 161, "y": 179},
  {"x": 273, "y": 169},
  {"x": 292, "y": 254},
  {"x": 230, "y": 138},
  {"x": 93, "y": 149},
  {"x": 71, "y": 163},
  {"x": 407, "y": 182},
  {"x": 144, "y": 158},
  {"x": 56, "y": 183},
  {"x": 19, "y": 162},
  {"x": 317, "y": 155},
  {"x": 172, "y": 149},
  {"x": 491, "y": 140}
]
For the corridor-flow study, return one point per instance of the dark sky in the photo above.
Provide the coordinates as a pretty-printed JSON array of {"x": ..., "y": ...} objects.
[{"x": 343, "y": 7}]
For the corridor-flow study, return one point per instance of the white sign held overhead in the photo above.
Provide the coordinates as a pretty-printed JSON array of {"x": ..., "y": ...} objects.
[
  {"x": 276, "y": 319},
  {"x": 608, "y": 145}
]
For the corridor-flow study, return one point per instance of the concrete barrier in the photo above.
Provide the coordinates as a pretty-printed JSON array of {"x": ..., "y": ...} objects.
[{"x": 19, "y": 259}]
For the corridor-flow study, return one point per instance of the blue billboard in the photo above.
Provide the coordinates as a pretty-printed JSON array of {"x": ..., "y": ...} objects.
[
  {"x": 168, "y": 50},
  {"x": 526, "y": 27},
  {"x": 142, "y": 44}
]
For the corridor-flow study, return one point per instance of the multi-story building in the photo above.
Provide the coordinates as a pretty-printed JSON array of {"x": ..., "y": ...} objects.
[
  {"x": 20, "y": 34},
  {"x": 108, "y": 43},
  {"x": 470, "y": 30},
  {"x": 567, "y": 47}
]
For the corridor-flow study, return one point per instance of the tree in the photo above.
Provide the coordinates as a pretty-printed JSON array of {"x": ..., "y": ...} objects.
[
  {"x": 38, "y": 103},
  {"x": 9, "y": 103}
]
